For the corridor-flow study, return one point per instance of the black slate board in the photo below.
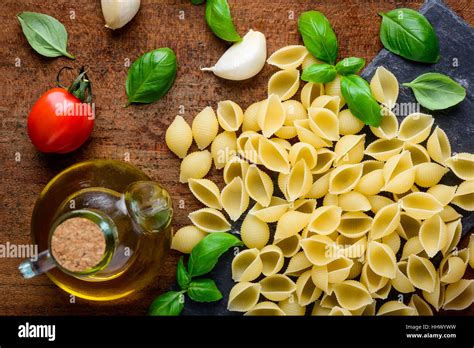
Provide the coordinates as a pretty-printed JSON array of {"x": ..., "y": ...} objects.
[{"x": 456, "y": 39}]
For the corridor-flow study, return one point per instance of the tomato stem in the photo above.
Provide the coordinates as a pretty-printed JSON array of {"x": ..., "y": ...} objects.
[{"x": 81, "y": 87}]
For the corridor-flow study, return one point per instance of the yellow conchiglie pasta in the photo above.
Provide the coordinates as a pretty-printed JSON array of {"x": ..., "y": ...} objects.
[
  {"x": 311, "y": 91},
  {"x": 349, "y": 149},
  {"x": 372, "y": 180},
  {"x": 320, "y": 250},
  {"x": 462, "y": 164},
  {"x": 229, "y": 115},
  {"x": 325, "y": 220},
  {"x": 401, "y": 283},
  {"x": 288, "y": 57},
  {"x": 438, "y": 146},
  {"x": 300, "y": 180},
  {"x": 186, "y": 238},
  {"x": 298, "y": 264},
  {"x": 196, "y": 165},
  {"x": 388, "y": 128},
  {"x": 385, "y": 221},
  {"x": 396, "y": 308},
  {"x": 246, "y": 265},
  {"x": 415, "y": 128},
  {"x": 243, "y": 296},
  {"x": 420, "y": 205},
  {"x": 291, "y": 223},
  {"x": 384, "y": 149},
  {"x": 303, "y": 151},
  {"x": 235, "y": 167},
  {"x": 259, "y": 185},
  {"x": 294, "y": 110},
  {"x": 206, "y": 192},
  {"x": 209, "y": 220},
  {"x": 284, "y": 83},
  {"x": 421, "y": 307},
  {"x": 344, "y": 178},
  {"x": 352, "y": 295},
  {"x": 452, "y": 269},
  {"x": 421, "y": 273},
  {"x": 354, "y": 224},
  {"x": 291, "y": 307},
  {"x": 320, "y": 187},
  {"x": 334, "y": 88},
  {"x": 443, "y": 193},
  {"x": 205, "y": 127},
  {"x": 429, "y": 174},
  {"x": 399, "y": 173},
  {"x": 459, "y": 295},
  {"x": 306, "y": 291},
  {"x": 348, "y": 123},
  {"x": 324, "y": 123},
  {"x": 179, "y": 137},
  {"x": 331, "y": 102},
  {"x": 306, "y": 134},
  {"x": 273, "y": 212},
  {"x": 277, "y": 287},
  {"x": 326, "y": 159},
  {"x": 433, "y": 235},
  {"x": 272, "y": 259},
  {"x": 353, "y": 201},
  {"x": 273, "y": 156},
  {"x": 384, "y": 86},
  {"x": 381, "y": 259},
  {"x": 223, "y": 148},
  {"x": 271, "y": 115},
  {"x": 234, "y": 198},
  {"x": 254, "y": 232},
  {"x": 417, "y": 152},
  {"x": 250, "y": 121},
  {"x": 265, "y": 308},
  {"x": 464, "y": 196}
]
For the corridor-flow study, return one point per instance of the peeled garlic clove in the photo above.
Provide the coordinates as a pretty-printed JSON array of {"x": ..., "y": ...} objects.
[
  {"x": 117, "y": 13},
  {"x": 243, "y": 59}
]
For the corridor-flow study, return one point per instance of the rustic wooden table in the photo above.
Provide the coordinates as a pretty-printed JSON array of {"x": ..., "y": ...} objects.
[{"x": 137, "y": 133}]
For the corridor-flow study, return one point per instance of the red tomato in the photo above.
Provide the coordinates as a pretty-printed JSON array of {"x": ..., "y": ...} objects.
[{"x": 60, "y": 122}]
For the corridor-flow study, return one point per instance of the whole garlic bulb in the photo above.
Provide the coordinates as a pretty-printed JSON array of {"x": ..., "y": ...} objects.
[
  {"x": 243, "y": 59},
  {"x": 117, "y": 13}
]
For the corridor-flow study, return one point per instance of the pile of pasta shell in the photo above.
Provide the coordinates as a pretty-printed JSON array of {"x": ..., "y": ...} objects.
[{"x": 335, "y": 225}]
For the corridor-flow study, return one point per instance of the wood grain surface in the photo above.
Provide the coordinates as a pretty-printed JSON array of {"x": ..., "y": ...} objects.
[{"x": 136, "y": 133}]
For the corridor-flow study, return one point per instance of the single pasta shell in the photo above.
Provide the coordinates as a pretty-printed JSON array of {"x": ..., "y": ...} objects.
[
  {"x": 277, "y": 287},
  {"x": 234, "y": 198},
  {"x": 186, "y": 238},
  {"x": 271, "y": 115},
  {"x": 284, "y": 83},
  {"x": 438, "y": 146},
  {"x": 265, "y": 308},
  {"x": 288, "y": 57},
  {"x": 384, "y": 87},
  {"x": 209, "y": 220},
  {"x": 462, "y": 164},
  {"x": 246, "y": 266},
  {"x": 254, "y": 232},
  {"x": 229, "y": 115},
  {"x": 243, "y": 296},
  {"x": 311, "y": 91},
  {"x": 179, "y": 137},
  {"x": 429, "y": 174},
  {"x": 196, "y": 165},
  {"x": 205, "y": 127},
  {"x": 259, "y": 185},
  {"x": 415, "y": 128},
  {"x": 206, "y": 192},
  {"x": 348, "y": 123}
]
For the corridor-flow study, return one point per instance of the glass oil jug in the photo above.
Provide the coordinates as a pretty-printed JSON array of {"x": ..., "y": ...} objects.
[{"x": 131, "y": 213}]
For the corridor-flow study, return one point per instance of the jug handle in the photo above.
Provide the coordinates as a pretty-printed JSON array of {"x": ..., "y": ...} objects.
[{"x": 40, "y": 264}]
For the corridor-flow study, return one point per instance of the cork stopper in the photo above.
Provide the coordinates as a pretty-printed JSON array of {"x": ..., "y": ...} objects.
[{"x": 78, "y": 244}]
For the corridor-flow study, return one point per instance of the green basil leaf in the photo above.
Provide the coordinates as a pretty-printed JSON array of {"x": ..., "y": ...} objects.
[
  {"x": 182, "y": 275},
  {"x": 350, "y": 65},
  {"x": 409, "y": 34},
  {"x": 356, "y": 92},
  {"x": 45, "y": 34},
  {"x": 151, "y": 76},
  {"x": 204, "y": 290},
  {"x": 318, "y": 36},
  {"x": 436, "y": 91},
  {"x": 205, "y": 254},
  {"x": 219, "y": 19},
  {"x": 319, "y": 73},
  {"x": 168, "y": 304}
]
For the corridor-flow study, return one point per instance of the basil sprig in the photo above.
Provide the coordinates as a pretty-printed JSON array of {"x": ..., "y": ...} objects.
[
  {"x": 202, "y": 260},
  {"x": 318, "y": 36},
  {"x": 356, "y": 92},
  {"x": 45, "y": 34},
  {"x": 151, "y": 76},
  {"x": 169, "y": 304},
  {"x": 319, "y": 73},
  {"x": 204, "y": 290},
  {"x": 436, "y": 91},
  {"x": 409, "y": 34},
  {"x": 350, "y": 65},
  {"x": 205, "y": 254},
  {"x": 219, "y": 19}
]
